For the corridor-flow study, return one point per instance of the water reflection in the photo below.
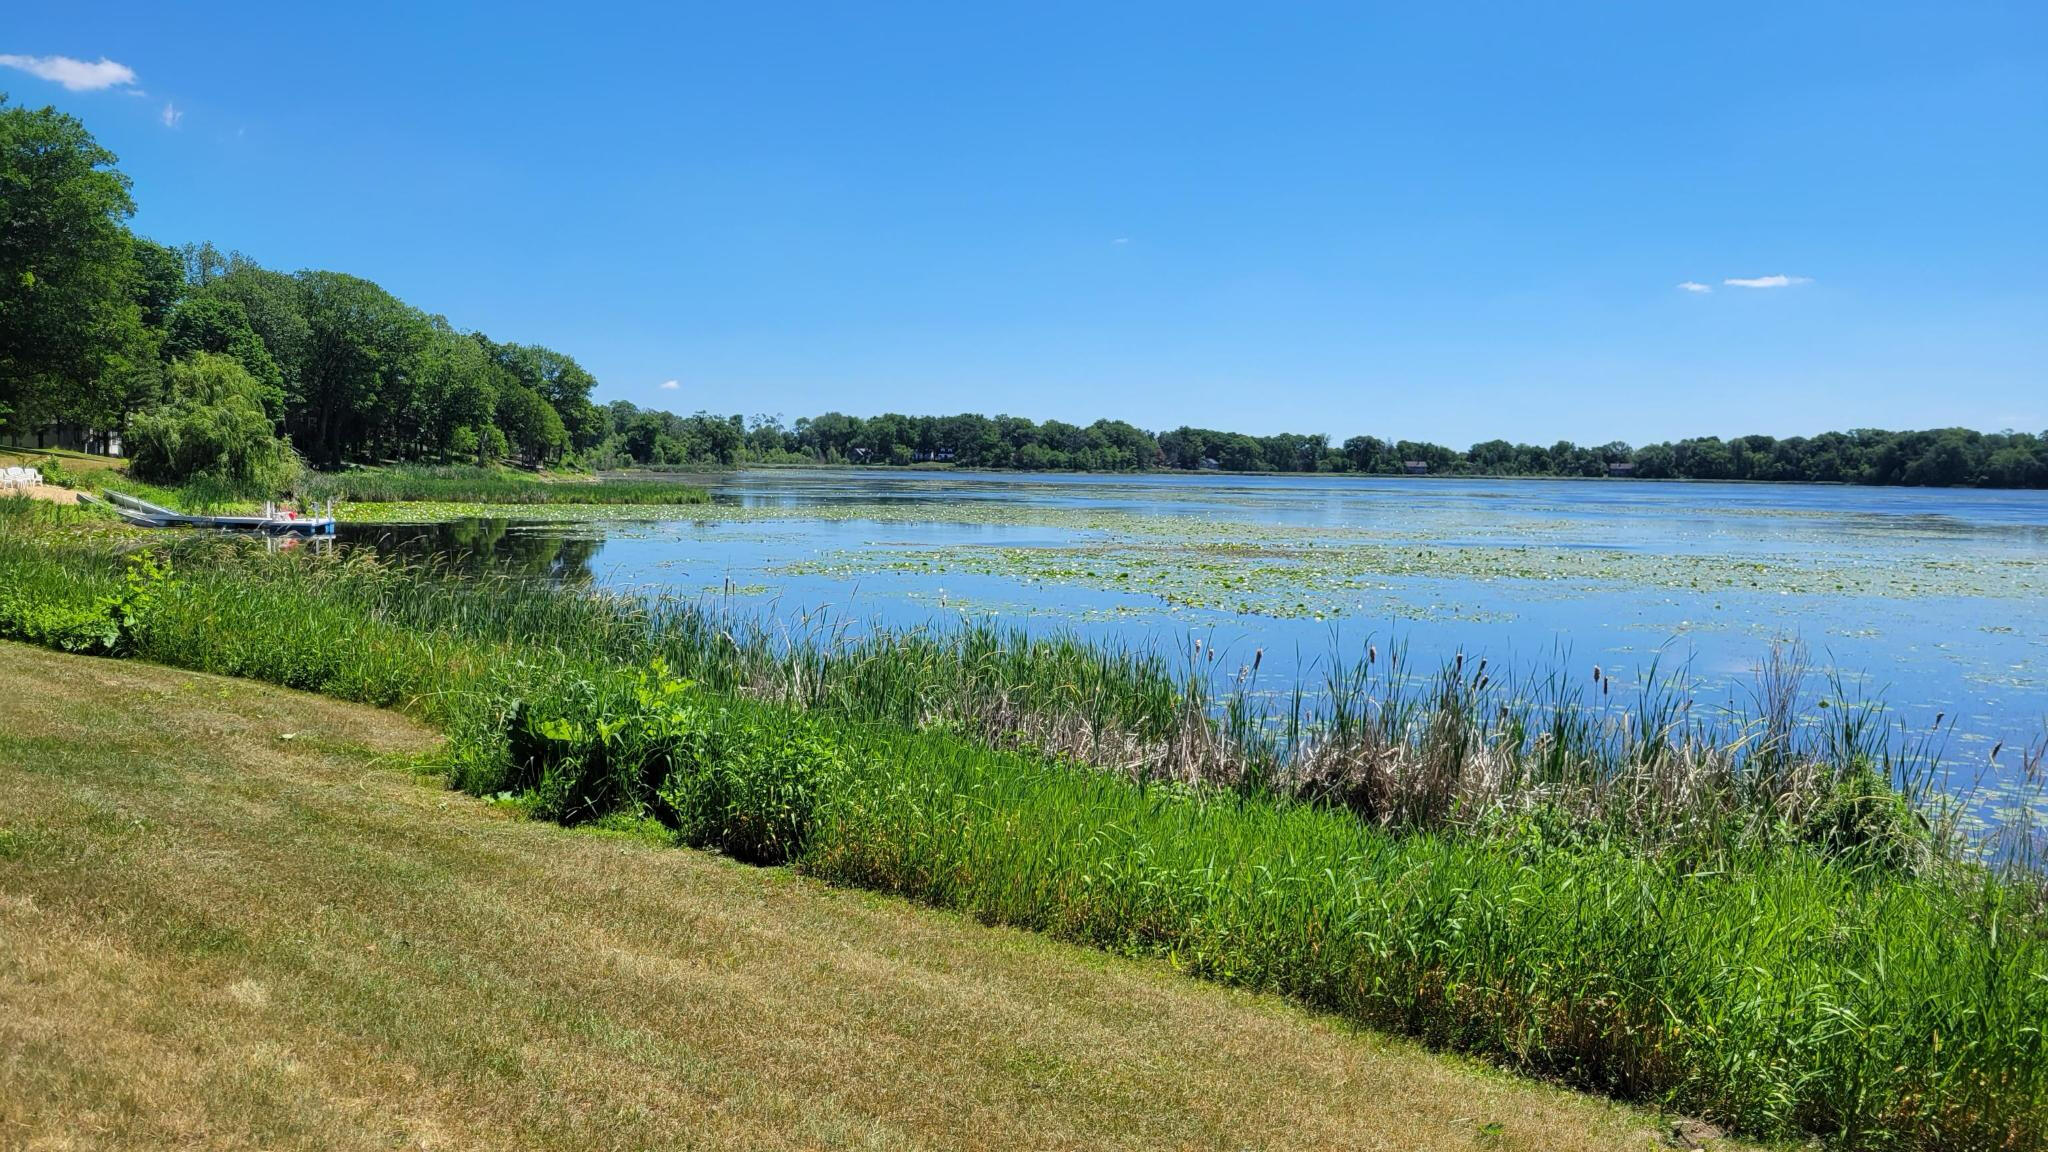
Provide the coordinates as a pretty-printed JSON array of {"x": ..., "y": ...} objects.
[{"x": 484, "y": 545}]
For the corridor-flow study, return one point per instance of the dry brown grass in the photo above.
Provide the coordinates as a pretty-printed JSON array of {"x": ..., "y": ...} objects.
[{"x": 226, "y": 921}]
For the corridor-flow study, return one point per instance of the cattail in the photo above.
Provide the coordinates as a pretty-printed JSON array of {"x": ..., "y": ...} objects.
[
  {"x": 1596, "y": 673},
  {"x": 1997, "y": 748},
  {"x": 1606, "y": 686},
  {"x": 1459, "y": 663},
  {"x": 1937, "y": 718},
  {"x": 1258, "y": 655},
  {"x": 1372, "y": 653}
]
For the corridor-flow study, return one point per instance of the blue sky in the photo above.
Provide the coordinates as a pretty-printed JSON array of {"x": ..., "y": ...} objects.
[{"x": 1449, "y": 222}]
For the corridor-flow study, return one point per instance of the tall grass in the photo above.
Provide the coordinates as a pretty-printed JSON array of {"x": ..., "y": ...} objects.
[
  {"x": 1488, "y": 865},
  {"x": 1776, "y": 992},
  {"x": 472, "y": 485}
]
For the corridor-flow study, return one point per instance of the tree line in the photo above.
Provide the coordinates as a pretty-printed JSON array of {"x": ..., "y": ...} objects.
[
  {"x": 203, "y": 361},
  {"x": 1936, "y": 457},
  {"x": 197, "y": 358}
]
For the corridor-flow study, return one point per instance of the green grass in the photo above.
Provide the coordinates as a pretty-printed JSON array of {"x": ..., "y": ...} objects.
[
  {"x": 1786, "y": 949},
  {"x": 242, "y": 924},
  {"x": 472, "y": 485}
]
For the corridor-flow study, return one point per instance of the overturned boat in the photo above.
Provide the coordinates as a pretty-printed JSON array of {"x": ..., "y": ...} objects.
[{"x": 275, "y": 521}]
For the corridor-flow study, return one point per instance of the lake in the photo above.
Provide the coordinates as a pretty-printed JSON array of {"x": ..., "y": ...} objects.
[{"x": 1934, "y": 599}]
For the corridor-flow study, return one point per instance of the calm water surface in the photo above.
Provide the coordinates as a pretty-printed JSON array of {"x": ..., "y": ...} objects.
[{"x": 1937, "y": 600}]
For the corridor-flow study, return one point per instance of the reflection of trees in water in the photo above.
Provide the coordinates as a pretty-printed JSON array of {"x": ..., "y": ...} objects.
[{"x": 482, "y": 546}]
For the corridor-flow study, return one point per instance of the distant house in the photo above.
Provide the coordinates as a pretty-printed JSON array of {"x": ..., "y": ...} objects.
[
  {"x": 1415, "y": 467},
  {"x": 859, "y": 455},
  {"x": 69, "y": 437},
  {"x": 934, "y": 456},
  {"x": 1209, "y": 464},
  {"x": 1621, "y": 469}
]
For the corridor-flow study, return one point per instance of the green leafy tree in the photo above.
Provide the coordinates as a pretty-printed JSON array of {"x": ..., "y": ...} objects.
[
  {"x": 356, "y": 390},
  {"x": 531, "y": 425},
  {"x": 272, "y": 304},
  {"x": 457, "y": 391},
  {"x": 215, "y": 323},
  {"x": 67, "y": 268},
  {"x": 159, "y": 280},
  {"x": 212, "y": 424}
]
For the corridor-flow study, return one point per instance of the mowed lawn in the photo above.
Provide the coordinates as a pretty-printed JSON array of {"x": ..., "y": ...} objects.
[{"x": 229, "y": 917}]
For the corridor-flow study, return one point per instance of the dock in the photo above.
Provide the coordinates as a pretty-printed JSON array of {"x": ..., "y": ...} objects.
[{"x": 273, "y": 522}]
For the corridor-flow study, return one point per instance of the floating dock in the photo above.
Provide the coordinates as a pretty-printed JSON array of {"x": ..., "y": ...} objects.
[{"x": 273, "y": 522}]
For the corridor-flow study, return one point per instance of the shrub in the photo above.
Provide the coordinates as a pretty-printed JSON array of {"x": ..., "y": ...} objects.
[
  {"x": 757, "y": 794},
  {"x": 1865, "y": 821},
  {"x": 589, "y": 744},
  {"x": 107, "y": 626},
  {"x": 744, "y": 778}
]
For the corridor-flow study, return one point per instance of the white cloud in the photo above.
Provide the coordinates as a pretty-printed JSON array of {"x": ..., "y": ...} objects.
[
  {"x": 172, "y": 115},
  {"x": 1694, "y": 286},
  {"x": 77, "y": 75},
  {"x": 1766, "y": 281},
  {"x": 1121, "y": 240},
  {"x": 670, "y": 385}
]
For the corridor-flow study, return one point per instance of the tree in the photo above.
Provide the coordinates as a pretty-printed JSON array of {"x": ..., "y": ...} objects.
[
  {"x": 2018, "y": 465},
  {"x": 1122, "y": 447},
  {"x": 1369, "y": 454},
  {"x": 273, "y": 305},
  {"x": 1240, "y": 453},
  {"x": 213, "y": 424},
  {"x": 67, "y": 266},
  {"x": 558, "y": 379},
  {"x": 159, "y": 280},
  {"x": 1655, "y": 462},
  {"x": 531, "y": 425},
  {"x": 217, "y": 324},
  {"x": 359, "y": 370},
  {"x": 456, "y": 392}
]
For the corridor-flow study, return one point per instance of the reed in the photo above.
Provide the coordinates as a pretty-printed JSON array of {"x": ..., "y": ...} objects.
[
  {"x": 472, "y": 485},
  {"x": 1758, "y": 912}
]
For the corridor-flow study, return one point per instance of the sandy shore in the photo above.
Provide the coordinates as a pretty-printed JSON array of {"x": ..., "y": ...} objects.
[{"x": 50, "y": 492}]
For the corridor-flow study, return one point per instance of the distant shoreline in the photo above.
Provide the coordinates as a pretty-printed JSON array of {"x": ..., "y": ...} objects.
[{"x": 700, "y": 472}]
